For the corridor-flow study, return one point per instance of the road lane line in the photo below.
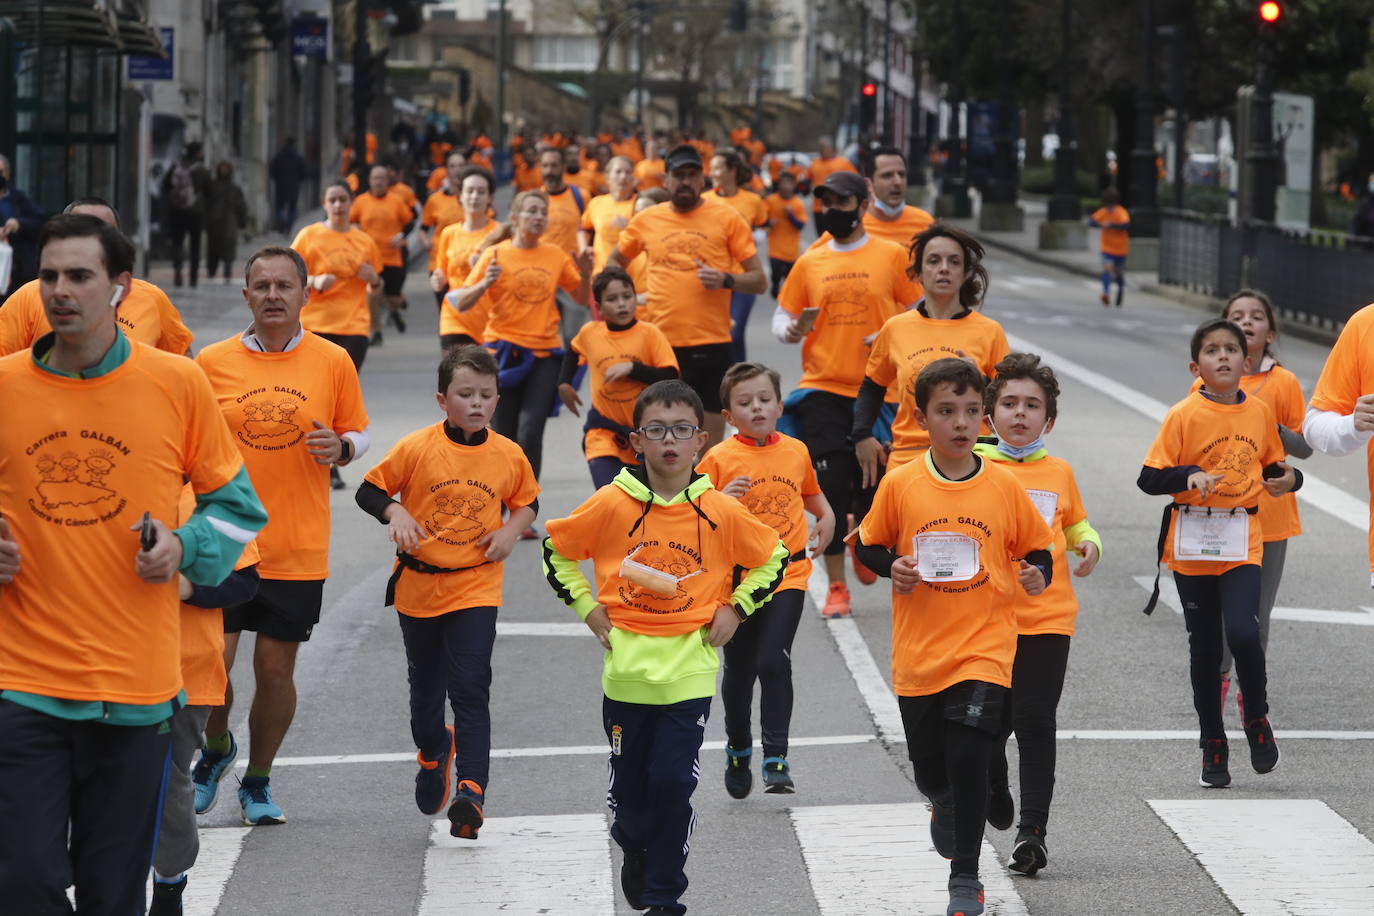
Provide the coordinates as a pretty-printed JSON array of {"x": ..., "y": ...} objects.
[
  {"x": 1315, "y": 492},
  {"x": 878, "y": 859},
  {"x": 544, "y": 864},
  {"x": 1289, "y": 856},
  {"x": 1361, "y": 617},
  {"x": 877, "y": 696},
  {"x": 220, "y": 848}
]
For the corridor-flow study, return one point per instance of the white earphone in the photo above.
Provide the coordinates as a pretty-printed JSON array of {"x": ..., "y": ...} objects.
[{"x": 116, "y": 296}]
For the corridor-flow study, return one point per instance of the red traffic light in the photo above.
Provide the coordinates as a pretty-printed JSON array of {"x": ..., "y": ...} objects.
[
  {"x": 871, "y": 89},
  {"x": 1270, "y": 11}
]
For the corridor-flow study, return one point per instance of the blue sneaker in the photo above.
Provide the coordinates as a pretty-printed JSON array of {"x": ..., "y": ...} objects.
[
  {"x": 739, "y": 779},
  {"x": 255, "y": 797},
  {"x": 208, "y": 771},
  {"x": 777, "y": 776}
]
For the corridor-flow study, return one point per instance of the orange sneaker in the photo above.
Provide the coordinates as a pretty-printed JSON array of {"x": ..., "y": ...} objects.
[
  {"x": 432, "y": 780},
  {"x": 465, "y": 814},
  {"x": 865, "y": 575},
  {"x": 837, "y": 601}
]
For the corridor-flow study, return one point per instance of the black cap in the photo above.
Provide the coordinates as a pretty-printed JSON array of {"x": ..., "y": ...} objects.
[
  {"x": 844, "y": 184},
  {"x": 682, "y": 156}
]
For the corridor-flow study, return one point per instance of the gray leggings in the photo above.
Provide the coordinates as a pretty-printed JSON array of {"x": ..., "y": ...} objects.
[
  {"x": 1271, "y": 571},
  {"x": 178, "y": 841}
]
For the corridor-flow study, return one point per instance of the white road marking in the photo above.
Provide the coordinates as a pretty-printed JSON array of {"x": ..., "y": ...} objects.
[
  {"x": 541, "y": 629},
  {"x": 1089, "y": 734},
  {"x": 877, "y": 695},
  {"x": 558, "y": 863},
  {"x": 878, "y": 859},
  {"x": 1291, "y": 856},
  {"x": 1027, "y": 280},
  {"x": 1364, "y": 617},
  {"x": 1315, "y": 491},
  {"x": 220, "y": 848}
]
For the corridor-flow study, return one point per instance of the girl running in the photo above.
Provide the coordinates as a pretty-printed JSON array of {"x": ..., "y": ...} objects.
[
  {"x": 343, "y": 264},
  {"x": 457, "y": 246},
  {"x": 730, "y": 175}
]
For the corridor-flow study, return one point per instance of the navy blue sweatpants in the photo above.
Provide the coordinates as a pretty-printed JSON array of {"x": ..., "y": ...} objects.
[
  {"x": 1219, "y": 611},
  {"x": 653, "y": 771},
  {"x": 450, "y": 655}
]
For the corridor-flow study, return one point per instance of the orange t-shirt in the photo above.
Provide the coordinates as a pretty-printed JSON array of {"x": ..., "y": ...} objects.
[
  {"x": 564, "y": 217},
  {"x": 1347, "y": 376},
  {"x": 823, "y": 167},
  {"x": 784, "y": 237},
  {"x": 1050, "y": 480},
  {"x": 521, "y": 305},
  {"x": 456, "y": 246},
  {"x": 147, "y": 315},
  {"x": 857, "y": 291},
  {"x": 341, "y": 309},
  {"x": 605, "y": 217},
  {"x": 1237, "y": 440},
  {"x": 381, "y": 218},
  {"x": 746, "y": 203},
  {"x": 947, "y": 632},
  {"x": 270, "y": 401},
  {"x": 649, "y": 173},
  {"x": 901, "y": 230},
  {"x": 1281, "y": 390},
  {"x": 600, "y": 346},
  {"x": 435, "y": 181},
  {"x": 688, "y": 313},
  {"x": 781, "y": 477},
  {"x": 1115, "y": 242},
  {"x": 910, "y": 342},
  {"x": 406, "y": 193},
  {"x": 441, "y": 211},
  {"x": 455, "y": 492},
  {"x": 673, "y": 538},
  {"x": 81, "y": 460}
]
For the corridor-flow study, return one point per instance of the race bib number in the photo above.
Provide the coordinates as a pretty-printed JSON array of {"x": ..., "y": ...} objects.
[
  {"x": 1222, "y": 536},
  {"x": 945, "y": 557},
  {"x": 1046, "y": 501}
]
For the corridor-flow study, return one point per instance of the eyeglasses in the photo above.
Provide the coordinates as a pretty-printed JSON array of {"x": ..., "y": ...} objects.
[{"x": 679, "y": 431}]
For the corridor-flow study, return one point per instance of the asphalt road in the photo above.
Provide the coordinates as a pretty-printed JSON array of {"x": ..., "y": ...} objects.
[{"x": 355, "y": 843}]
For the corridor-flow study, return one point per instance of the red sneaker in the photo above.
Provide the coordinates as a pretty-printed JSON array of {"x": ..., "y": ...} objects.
[{"x": 837, "y": 601}]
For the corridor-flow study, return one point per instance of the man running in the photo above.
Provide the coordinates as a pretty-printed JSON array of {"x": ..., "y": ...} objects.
[
  {"x": 828, "y": 161},
  {"x": 293, "y": 402},
  {"x": 100, "y": 436},
  {"x": 891, "y": 217},
  {"x": 388, "y": 219}
]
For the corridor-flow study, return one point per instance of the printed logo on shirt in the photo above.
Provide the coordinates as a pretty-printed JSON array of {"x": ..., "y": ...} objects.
[
  {"x": 622, "y": 390},
  {"x": 682, "y": 249},
  {"x": 457, "y": 515},
  {"x": 769, "y": 499},
  {"x": 1231, "y": 456},
  {"x": 843, "y": 303},
  {"x": 677, "y": 560},
  {"x": 341, "y": 261},
  {"x": 531, "y": 285},
  {"x": 269, "y": 420},
  {"x": 73, "y": 486}
]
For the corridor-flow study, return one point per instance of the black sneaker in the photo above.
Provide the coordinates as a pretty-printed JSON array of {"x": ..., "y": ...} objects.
[
  {"x": 1215, "y": 774},
  {"x": 739, "y": 779},
  {"x": 942, "y": 825},
  {"x": 965, "y": 896},
  {"x": 777, "y": 776},
  {"x": 335, "y": 479},
  {"x": 397, "y": 321},
  {"x": 167, "y": 898},
  {"x": 1029, "y": 855},
  {"x": 1264, "y": 752},
  {"x": 376, "y": 339},
  {"x": 632, "y": 878},
  {"x": 1001, "y": 807},
  {"x": 660, "y": 911}
]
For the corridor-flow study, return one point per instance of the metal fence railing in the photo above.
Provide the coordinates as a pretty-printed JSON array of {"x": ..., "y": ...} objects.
[{"x": 1319, "y": 278}]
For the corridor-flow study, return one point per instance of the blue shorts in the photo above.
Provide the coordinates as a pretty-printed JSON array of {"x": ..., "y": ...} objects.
[{"x": 1117, "y": 261}]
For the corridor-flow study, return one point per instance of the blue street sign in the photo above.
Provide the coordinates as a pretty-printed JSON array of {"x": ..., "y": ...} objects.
[
  {"x": 155, "y": 68},
  {"x": 310, "y": 37}
]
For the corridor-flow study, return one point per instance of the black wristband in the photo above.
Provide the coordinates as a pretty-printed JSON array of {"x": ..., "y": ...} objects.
[
  {"x": 739, "y": 612},
  {"x": 728, "y": 282}
]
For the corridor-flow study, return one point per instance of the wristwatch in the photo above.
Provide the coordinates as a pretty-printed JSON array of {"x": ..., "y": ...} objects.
[
  {"x": 739, "y": 612},
  {"x": 728, "y": 282},
  {"x": 345, "y": 451}
]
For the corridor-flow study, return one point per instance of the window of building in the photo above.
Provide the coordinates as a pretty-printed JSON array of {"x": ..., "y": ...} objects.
[
  {"x": 780, "y": 60},
  {"x": 565, "y": 52}
]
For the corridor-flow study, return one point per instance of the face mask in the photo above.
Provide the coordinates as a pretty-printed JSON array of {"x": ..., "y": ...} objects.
[
  {"x": 658, "y": 581},
  {"x": 839, "y": 223},
  {"x": 890, "y": 211},
  {"x": 1019, "y": 452}
]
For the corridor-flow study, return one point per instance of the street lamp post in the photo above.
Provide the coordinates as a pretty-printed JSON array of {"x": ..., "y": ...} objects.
[
  {"x": 955, "y": 186},
  {"x": 1261, "y": 156},
  {"x": 1064, "y": 204}
]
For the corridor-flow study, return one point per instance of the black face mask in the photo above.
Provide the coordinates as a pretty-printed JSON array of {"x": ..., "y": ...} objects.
[{"x": 839, "y": 223}]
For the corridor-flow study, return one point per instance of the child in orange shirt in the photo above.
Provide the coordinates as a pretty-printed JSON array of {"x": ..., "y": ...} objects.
[
  {"x": 772, "y": 475},
  {"x": 1021, "y": 405},
  {"x": 1115, "y": 222},
  {"x": 959, "y": 538},
  {"x": 452, "y": 478},
  {"x": 1218, "y": 453},
  {"x": 625, "y": 356}
]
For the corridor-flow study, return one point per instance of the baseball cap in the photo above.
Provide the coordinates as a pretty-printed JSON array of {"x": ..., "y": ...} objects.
[
  {"x": 682, "y": 156},
  {"x": 844, "y": 184}
]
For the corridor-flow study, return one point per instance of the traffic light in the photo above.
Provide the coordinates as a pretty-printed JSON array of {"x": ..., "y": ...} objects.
[
  {"x": 1270, "y": 12},
  {"x": 868, "y": 106}
]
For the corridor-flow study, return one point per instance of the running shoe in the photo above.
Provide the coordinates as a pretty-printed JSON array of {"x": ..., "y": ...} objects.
[
  {"x": 255, "y": 797},
  {"x": 1264, "y": 752},
  {"x": 836, "y": 601},
  {"x": 336, "y": 479},
  {"x": 376, "y": 339},
  {"x": 1106, "y": 300},
  {"x": 865, "y": 575},
  {"x": 1029, "y": 854},
  {"x": 167, "y": 898},
  {"x": 1001, "y": 807},
  {"x": 942, "y": 825},
  {"x": 632, "y": 878},
  {"x": 207, "y": 773},
  {"x": 739, "y": 779},
  {"x": 397, "y": 320},
  {"x": 965, "y": 896},
  {"x": 1215, "y": 754},
  {"x": 465, "y": 814},
  {"x": 777, "y": 776},
  {"x": 432, "y": 780}
]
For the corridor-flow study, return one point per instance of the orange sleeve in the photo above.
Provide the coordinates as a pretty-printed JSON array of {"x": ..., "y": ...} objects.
[
  {"x": 630, "y": 242},
  {"x": 574, "y": 535},
  {"x": 393, "y": 472},
  {"x": 212, "y": 458},
  {"x": 997, "y": 351},
  {"x": 355, "y": 210},
  {"x": 1029, "y": 529},
  {"x": 525, "y": 488},
  {"x": 175, "y": 337},
  {"x": 795, "y": 294},
  {"x": 739, "y": 240},
  {"x": 1290, "y": 406},
  {"x": 19, "y": 319},
  {"x": 810, "y": 486},
  {"x": 751, "y": 541},
  {"x": 475, "y": 275},
  {"x": 569, "y": 276},
  {"x": 1273, "y": 445},
  {"x": 1339, "y": 386},
  {"x": 904, "y": 289},
  {"x": 880, "y": 366},
  {"x": 660, "y": 351},
  {"x": 1167, "y": 449},
  {"x": 579, "y": 342},
  {"x": 1073, "y": 510},
  {"x": 349, "y": 413},
  {"x": 376, "y": 254},
  {"x": 587, "y": 213},
  {"x": 427, "y": 217},
  {"x": 880, "y": 526}
]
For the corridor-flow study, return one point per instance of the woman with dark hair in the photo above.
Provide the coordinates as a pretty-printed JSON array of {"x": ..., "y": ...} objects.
[{"x": 729, "y": 175}]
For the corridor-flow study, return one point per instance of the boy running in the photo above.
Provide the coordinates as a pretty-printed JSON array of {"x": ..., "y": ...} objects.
[
  {"x": 953, "y": 626},
  {"x": 1115, "y": 222},
  {"x": 449, "y": 536},
  {"x": 663, "y": 604}
]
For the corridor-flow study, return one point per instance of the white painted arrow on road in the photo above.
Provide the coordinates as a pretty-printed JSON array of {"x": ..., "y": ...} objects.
[{"x": 1363, "y": 617}]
